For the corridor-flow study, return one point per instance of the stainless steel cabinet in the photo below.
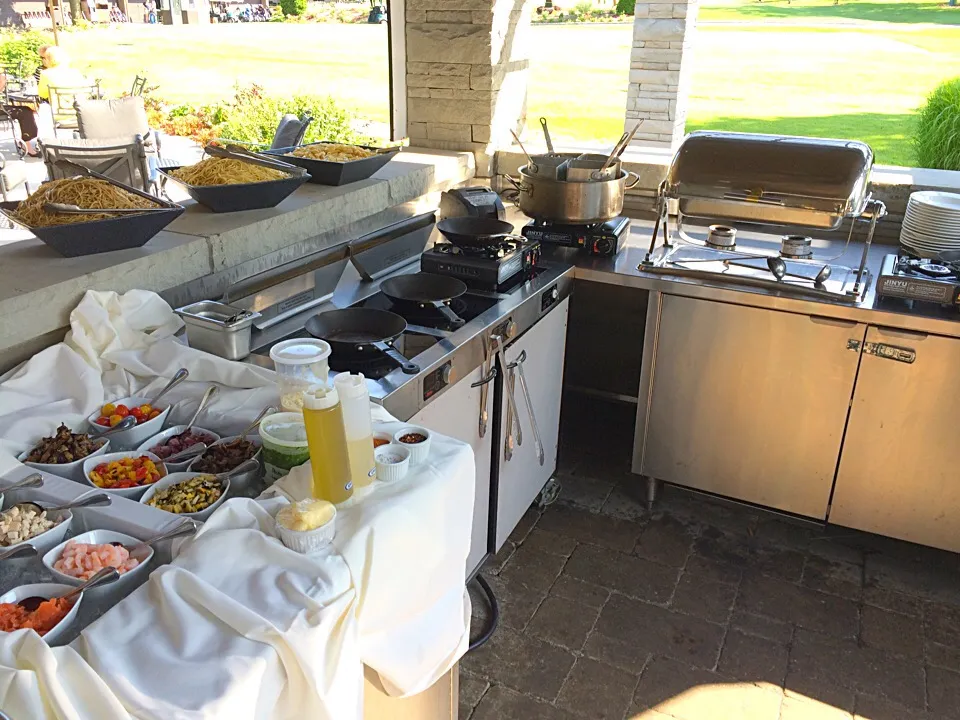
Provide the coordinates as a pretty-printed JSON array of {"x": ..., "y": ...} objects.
[
  {"x": 900, "y": 470},
  {"x": 748, "y": 403}
]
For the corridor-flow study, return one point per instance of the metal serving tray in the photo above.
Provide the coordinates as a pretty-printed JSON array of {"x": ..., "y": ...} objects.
[{"x": 770, "y": 179}]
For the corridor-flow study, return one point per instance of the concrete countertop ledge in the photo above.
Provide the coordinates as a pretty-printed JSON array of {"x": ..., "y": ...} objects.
[{"x": 39, "y": 288}]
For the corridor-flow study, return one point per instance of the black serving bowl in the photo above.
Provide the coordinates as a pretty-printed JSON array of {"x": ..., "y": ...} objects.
[
  {"x": 240, "y": 196},
  {"x": 328, "y": 172},
  {"x": 98, "y": 236}
]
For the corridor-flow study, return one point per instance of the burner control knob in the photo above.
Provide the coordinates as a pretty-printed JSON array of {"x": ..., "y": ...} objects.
[
  {"x": 554, "y": 292},
  {"x": 602, "y": 247},
  {"x": 510, "y": 329},
  {"x": 446, "y": 374}
]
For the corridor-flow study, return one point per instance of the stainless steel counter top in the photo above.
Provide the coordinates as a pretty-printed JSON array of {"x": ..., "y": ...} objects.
[{"x": 623, "y": 270}]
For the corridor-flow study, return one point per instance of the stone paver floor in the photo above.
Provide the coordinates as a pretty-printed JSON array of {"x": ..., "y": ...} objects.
[{"x": 704, "y": 610}]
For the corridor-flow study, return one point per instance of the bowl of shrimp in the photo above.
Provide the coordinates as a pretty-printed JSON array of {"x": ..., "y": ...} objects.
[{"x": 83, "y": 556}]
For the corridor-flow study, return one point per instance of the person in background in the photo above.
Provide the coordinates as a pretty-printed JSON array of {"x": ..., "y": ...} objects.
[{"x": 57, "y": 72}]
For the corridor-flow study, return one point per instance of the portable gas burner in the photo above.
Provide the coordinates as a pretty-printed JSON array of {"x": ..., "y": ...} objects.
[
  {"x": 603, "y": 239},
  {"x": 922, "y": 279},
  {"x": 488, "y": 267}
]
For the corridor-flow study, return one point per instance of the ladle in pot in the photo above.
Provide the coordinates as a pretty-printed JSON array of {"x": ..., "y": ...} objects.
[{"x": 530, "y": 163}]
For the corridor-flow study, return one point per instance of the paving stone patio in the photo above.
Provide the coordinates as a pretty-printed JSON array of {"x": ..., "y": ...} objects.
[{"x": 705, "y": 610}]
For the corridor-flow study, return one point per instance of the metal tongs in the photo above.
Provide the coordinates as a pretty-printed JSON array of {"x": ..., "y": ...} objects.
[
  {"x": 67, "y": 209},
  {"x": 237, "y": 152}
]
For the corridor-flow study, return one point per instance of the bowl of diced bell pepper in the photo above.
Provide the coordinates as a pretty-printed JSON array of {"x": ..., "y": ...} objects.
[
  {"x": 125, "y": 473},
  {"x": 149, "y": 419}
]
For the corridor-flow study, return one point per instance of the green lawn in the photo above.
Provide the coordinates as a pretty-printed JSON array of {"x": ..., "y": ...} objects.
[{"x": 815, "y": 77}]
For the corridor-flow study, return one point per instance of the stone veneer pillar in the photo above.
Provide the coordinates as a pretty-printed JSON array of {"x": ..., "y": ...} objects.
[
  {"x": 660, "y": 69},
  {"x": 467, "y": 67}
]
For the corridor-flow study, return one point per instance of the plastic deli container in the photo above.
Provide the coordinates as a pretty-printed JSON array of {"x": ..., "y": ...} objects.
[
  {"x": 301, "y": 363},
  {"x": 284, "y": 439}
]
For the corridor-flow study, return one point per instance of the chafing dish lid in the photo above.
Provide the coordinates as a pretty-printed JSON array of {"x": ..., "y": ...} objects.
[{"x": 817, "y": 174}]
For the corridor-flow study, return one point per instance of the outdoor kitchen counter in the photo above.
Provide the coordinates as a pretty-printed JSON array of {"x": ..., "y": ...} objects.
[
  {"x": 39, "y": 288},
  {"x": 623, "y": 270}
]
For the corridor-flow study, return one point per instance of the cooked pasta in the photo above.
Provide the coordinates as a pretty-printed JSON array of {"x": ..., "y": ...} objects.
[
  {"x": 87, "y": 193},
  {"x": 334, "y": 152},
  {"x": 226, "y": 171}
]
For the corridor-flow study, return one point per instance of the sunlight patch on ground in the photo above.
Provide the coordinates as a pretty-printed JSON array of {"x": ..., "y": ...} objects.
[{"x": 740, "y": 701}]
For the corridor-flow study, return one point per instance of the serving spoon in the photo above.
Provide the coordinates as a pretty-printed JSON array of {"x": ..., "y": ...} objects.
[
  {"x": 195, "y": 449},
  {"x": 128, "y": 422},
  {"x": 95, "y": 500},
  {"x": 141, "y": 550},
  {"x": 33, "y": 480},
  {"x": 178, "y": 377},
  {"x": 105, "y": 576},
  {"x": 269, "y": 410}
]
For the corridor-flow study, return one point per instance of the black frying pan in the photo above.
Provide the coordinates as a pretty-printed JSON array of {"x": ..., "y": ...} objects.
[
  {"x": 425, "y": 290},
  {"x": 352, "y": 329},
  {"x": 474, "y": 231}
]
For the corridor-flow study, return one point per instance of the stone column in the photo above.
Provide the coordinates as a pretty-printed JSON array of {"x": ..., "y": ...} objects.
[
  {"x": 660, "y": 69},
  {"x": 466, "y": 79}
]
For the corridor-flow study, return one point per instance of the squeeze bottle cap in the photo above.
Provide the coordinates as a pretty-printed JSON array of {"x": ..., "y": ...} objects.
[
  {"x": 320, "y": 397},
  {"x": 351, "y": 386}
]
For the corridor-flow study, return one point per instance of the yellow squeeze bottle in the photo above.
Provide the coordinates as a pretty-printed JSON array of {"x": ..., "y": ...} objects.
[{"x": 327, "y": 442}]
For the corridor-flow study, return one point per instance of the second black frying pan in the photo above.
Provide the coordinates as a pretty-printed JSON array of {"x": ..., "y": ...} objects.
[
  {"x": 426, "y": 290},
  {"x": 352, "y": 329},
  {"x": 474, "y": 231}
]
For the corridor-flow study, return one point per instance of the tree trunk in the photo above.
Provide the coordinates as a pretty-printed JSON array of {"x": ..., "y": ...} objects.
[{"x": 75, "y": 12}]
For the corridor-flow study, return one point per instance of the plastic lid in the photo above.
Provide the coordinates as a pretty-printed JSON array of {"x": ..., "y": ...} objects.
[
  {"x": 300, "y": 351},
  {"x": 320, "y": 397},
  {"x": 285, "y": 429},
  {"x": 351, "y": 386}
]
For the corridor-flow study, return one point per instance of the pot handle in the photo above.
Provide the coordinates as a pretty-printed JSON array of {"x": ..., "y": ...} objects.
[
  {"x": 631, "y": 185},
  {"x": 517, "y": 185}
]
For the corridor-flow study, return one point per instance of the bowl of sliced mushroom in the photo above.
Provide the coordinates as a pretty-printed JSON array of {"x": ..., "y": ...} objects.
[{"x": 191, "y": 494}]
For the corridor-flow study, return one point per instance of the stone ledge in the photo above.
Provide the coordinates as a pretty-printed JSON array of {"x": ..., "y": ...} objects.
[{"x": 38, "y": 288}]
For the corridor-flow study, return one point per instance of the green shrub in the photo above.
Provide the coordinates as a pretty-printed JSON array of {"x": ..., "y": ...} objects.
[
  {"x": 936, "y": 139},
  {"x": 584, "y": 7},
  {"x": 17, "y": 47},
  {"x": 626, "y": 7},
  {"x": 293, "y": 7}
]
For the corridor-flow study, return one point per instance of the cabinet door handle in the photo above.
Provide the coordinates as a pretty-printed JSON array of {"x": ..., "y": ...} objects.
[
  {"x": 897, "y": 332},
  {"x": 836, "y": 322},
  {"x": 890, "y": 352}
]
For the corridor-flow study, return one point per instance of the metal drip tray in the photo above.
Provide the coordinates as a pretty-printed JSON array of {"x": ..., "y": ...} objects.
[{"x": 704, "y": 263}]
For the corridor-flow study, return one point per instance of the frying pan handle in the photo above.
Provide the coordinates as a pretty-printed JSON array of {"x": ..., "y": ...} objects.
[
  {"x": 408, "y": 367},
  {"x": 449, "y": 314}
]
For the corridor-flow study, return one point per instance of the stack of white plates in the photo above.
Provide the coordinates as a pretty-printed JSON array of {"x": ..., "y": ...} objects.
[{"x": 932, "y": 223}]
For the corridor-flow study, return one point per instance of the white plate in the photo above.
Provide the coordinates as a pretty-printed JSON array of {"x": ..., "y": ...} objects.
[
  {"x": 925, "y": 240},
  {"x": 133, "y": 493},
  {"x": 173, "y": 479},
  {"x": 138, "y": 433},
  {"x": 932, "y": 227},
  {"x": 938, "y": 199},
  {"x": 96, "y": 537},
  {"x": 46, "y": 590},
  {"x": 162, "y": 437},
  {"x": 70, "y": 471}
]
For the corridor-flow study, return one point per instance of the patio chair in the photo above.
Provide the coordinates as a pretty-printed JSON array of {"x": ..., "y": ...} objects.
[
  {"x": 139, "y": 83},
  {"x": 290, "y": 132},
  {"x": 108, "y": 119},
  {"x": 63, "y": 100},
  {"x": 6, "y": 116},
  {"x": 12, "y": 175},
  {"x": 123, "y": 159}
]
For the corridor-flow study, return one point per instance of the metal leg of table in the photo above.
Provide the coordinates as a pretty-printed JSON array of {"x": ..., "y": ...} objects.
[{"x": 653, "y": 489}]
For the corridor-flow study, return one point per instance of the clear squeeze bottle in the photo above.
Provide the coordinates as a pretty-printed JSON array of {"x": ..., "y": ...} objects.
[
  {"x": 355, "y": 401},
  {"x": 323, "y": 419}
]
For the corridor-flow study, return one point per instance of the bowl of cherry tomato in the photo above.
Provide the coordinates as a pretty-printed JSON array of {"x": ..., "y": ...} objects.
[
  {"x": 125, "y": 473},
  {"x": 149, "y": 421}
]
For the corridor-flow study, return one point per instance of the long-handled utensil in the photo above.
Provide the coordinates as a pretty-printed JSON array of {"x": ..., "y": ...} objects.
[
  {"x": 511, "y": 401},
  {"x": 34, "y": 480},
  {"x": 140, "y": 551},
  {"x": 105, "y": 576},
  {"x": 531, "y": 165},
  {"x": 95, "y": 500},
  {"x": 178, "y": 377},
  {"x": 241, "y": 153},
  {"x": 210, "y": 393},
  {"x": 245, "y": 466},
  {"x": 195, "y": 449},
  {"x": 528, "y": 401},
  {"x": 128, "y": 422},
  {"x": 546, "y": 135},
  {"x": 67, "y": 209},
  {"x": 269, "y": 410},
  {"x": 20, "y": 550}
]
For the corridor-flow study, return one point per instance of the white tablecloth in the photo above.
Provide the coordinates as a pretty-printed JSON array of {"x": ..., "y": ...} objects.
[{"x": 238, "y": 626}]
